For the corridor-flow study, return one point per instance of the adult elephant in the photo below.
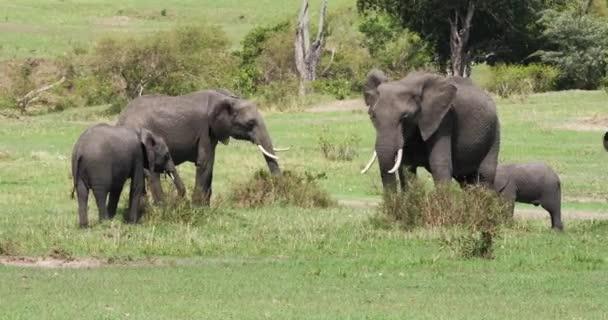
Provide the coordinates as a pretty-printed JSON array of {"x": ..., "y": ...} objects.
[
  {"x": 446, "y": 125},
  {"x": 192, "y": 125}
]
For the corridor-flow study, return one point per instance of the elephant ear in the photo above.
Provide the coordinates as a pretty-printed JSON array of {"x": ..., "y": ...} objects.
[
  {"x": 149, "y": 141},
  {"x": 436, "y": 98},
  {"x": 220, "y": 118},
  {"x": 370, "y": 90},
  {"x": 502, "y": 179}
]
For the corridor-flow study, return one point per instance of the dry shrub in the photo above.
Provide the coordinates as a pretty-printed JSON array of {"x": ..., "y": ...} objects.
[
  {"x": 8, "y": 248},
  {"x": 474, "y": 210},
  {"x": 290, "y": 188}
]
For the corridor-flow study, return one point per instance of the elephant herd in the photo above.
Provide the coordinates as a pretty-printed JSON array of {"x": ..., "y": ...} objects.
[{"x": 447, "y": 125}]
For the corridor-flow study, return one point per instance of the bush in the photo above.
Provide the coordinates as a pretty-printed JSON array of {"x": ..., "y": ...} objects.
[
  {"x": 176, "y": 210},
  {"x": 290, "y": 188},
  {"x": 508, "y": 80},
  {"x": 171, "y": 62},
  {"x": 578, "y": 47},
  {"x": 336, "y": 148},
  {"x": 476, "y": 210}
]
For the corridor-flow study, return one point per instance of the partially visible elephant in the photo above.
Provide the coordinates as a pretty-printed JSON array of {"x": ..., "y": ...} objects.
[
  {"x": 447, "y": 125},
  {"x": 105, "y": 156},
  {"x": 606, "y": 141},
  {"x": 193, "y": 124},
  {"x": 534, "y": 183}
]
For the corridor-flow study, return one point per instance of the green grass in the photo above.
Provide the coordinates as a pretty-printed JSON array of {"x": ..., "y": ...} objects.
[
  {"x": 51, "y": 27},
  {"x": 287, "y": 262}
]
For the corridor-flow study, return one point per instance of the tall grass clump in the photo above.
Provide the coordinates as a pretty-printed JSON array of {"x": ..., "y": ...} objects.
[
  {"x": 344, "y": 148},
  {"x": 290, "y": 188},
  {"x": 175, "y": 210},
  {"x": 509, "y": 80},
  {"x": 474, "y": 212}
]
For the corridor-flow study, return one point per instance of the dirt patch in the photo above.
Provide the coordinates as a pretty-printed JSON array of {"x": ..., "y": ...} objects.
[
  {"x": 20, "y": 28},
  {"x": 340, "y": 105},
  {"x": 114, "y": 21},
  {"x": 595, "y": 123},
  {"x": 51, "y": 262}
]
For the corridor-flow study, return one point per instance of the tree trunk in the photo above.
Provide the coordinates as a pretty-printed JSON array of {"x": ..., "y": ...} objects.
[
  {"x": 460, "y": 30},
  {"x": 307, "y": 55}
]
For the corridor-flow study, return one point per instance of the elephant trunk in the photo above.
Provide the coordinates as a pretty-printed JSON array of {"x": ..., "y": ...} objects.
[
  {"x": 177, "y": 180},
  {"x": 264, "y": 143},
  {"x": 388, "y": 154}
]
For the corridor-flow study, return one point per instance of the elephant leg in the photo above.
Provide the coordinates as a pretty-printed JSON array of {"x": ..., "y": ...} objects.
[
  {"x": 204, "y": 174},
  {"x": 135, "y": 194},
  {"x": 553, "y": 206},
  {"x": 156, "y": 187},
  {"x": 113, "y": 201},
  {"x": 82, "y": 192},
  {"x": 405, "y": 175},
  {"x": 440, "y": 153},
  {"x": 101, "y": 197},
  {"x": 487, "y": 168}
]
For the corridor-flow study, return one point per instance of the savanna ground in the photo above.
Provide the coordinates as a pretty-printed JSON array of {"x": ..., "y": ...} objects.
[{"x": 283, "y": 261}]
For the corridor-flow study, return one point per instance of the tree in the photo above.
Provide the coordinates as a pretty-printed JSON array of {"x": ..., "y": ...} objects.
[
  {"x": 463, "y": 29},
  {"x": 306, "y": 55}
]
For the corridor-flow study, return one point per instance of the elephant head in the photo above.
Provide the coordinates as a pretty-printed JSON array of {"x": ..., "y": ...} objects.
[
  {"x": 606, "y": 141},
  {"x": 233, "y": 117},
  {"x": 158, "y": 158},
  {"x": 398, "y": 108}
]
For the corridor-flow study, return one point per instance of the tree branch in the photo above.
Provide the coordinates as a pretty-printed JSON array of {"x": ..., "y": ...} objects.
[{"x": 32, "y": 96}]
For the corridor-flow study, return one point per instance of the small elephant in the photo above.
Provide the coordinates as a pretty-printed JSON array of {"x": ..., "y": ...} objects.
[
  {"x": 105, "y": 156},
  {"x": 534, "y": 183},
  {"x": 193, "y": 124},
  {"x": 447, "y": 125}
]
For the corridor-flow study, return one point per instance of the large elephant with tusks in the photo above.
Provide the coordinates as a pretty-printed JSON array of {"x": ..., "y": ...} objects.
[
  {"x": 192, "y": 125},
  {"x": 447, "y": 125}
]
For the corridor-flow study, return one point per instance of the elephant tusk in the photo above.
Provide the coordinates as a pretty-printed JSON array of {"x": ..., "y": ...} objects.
[
  {"x": 281, "y": 149},
  {"x": 170, "y": 175},
  {"x": 268, "y": 154},
  {"x": 369, "y": 164},
  {"x": 397, "y": 161}
]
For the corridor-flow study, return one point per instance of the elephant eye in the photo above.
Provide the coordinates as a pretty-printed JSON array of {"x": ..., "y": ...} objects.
[{"x": 251, "y": 123}]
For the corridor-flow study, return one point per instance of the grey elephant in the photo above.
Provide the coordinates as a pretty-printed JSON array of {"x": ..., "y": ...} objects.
[
  {"x": 104, "y": 157},
  {"x": 606, "y": 141},
  {"x": 534, "y": 183},
  {"x": 446, "y": 125},
  {"x": 193, "y": 124}
]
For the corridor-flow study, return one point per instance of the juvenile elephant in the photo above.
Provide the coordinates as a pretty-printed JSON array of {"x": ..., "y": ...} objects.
[
  {"x": 105, "y": 156},
  {"x": 534, "y": 183},
  {"x": 446, "y": 125},
  {"x": 193, "y": 124}
]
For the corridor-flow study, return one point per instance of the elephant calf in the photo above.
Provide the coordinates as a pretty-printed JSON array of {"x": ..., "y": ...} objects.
[
  {"x": 534, "y": 183},
  {"x": 105, "y": 156}
]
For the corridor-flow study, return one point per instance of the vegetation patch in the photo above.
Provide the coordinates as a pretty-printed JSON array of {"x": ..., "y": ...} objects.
[
  {"x": 344, "y": 148},
  {"x": 290, "y": 188},
  {"x": 476, "y": 211},
  {"x": 176, "y": 210}
]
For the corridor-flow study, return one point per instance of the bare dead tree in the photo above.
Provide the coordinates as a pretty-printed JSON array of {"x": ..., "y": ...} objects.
[
  {"x": 34, "y": 95},
  {"x": 307, "y": 56},
  {"x": 460, "y": 31}
]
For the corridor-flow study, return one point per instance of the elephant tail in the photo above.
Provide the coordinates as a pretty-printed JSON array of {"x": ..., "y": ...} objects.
[{"x": 75, "y": 164}]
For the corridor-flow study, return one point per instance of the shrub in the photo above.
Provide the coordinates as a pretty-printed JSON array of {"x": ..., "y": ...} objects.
[
  {"x": 508, "y": 80},
  {"x": 290, "y": 188},
  {"x": 338, "y": 148},
  {"x": 476, "y": 210},
  {"x": 578, "y": 47}
]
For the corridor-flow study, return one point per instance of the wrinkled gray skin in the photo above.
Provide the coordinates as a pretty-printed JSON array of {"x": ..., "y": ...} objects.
[
  {"x": 192, "y": 125},
  {"x": 104, "y": 157},
  {"x": 534, "y": 183},
  {"x": 446, "y": 125}
]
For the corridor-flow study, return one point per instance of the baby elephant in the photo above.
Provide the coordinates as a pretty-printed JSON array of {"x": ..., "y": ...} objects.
[
  {"x": 105, "y": 156},
  {"x": 534, "y": 183}
]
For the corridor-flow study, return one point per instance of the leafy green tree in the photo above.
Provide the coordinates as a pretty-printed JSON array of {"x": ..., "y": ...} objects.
[{"x": 461, "y": 29}]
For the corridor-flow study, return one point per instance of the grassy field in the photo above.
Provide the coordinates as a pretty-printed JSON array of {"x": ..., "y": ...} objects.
[
  {"x": 287, "y": 262},
  {"x": 50, "y": 27}
]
